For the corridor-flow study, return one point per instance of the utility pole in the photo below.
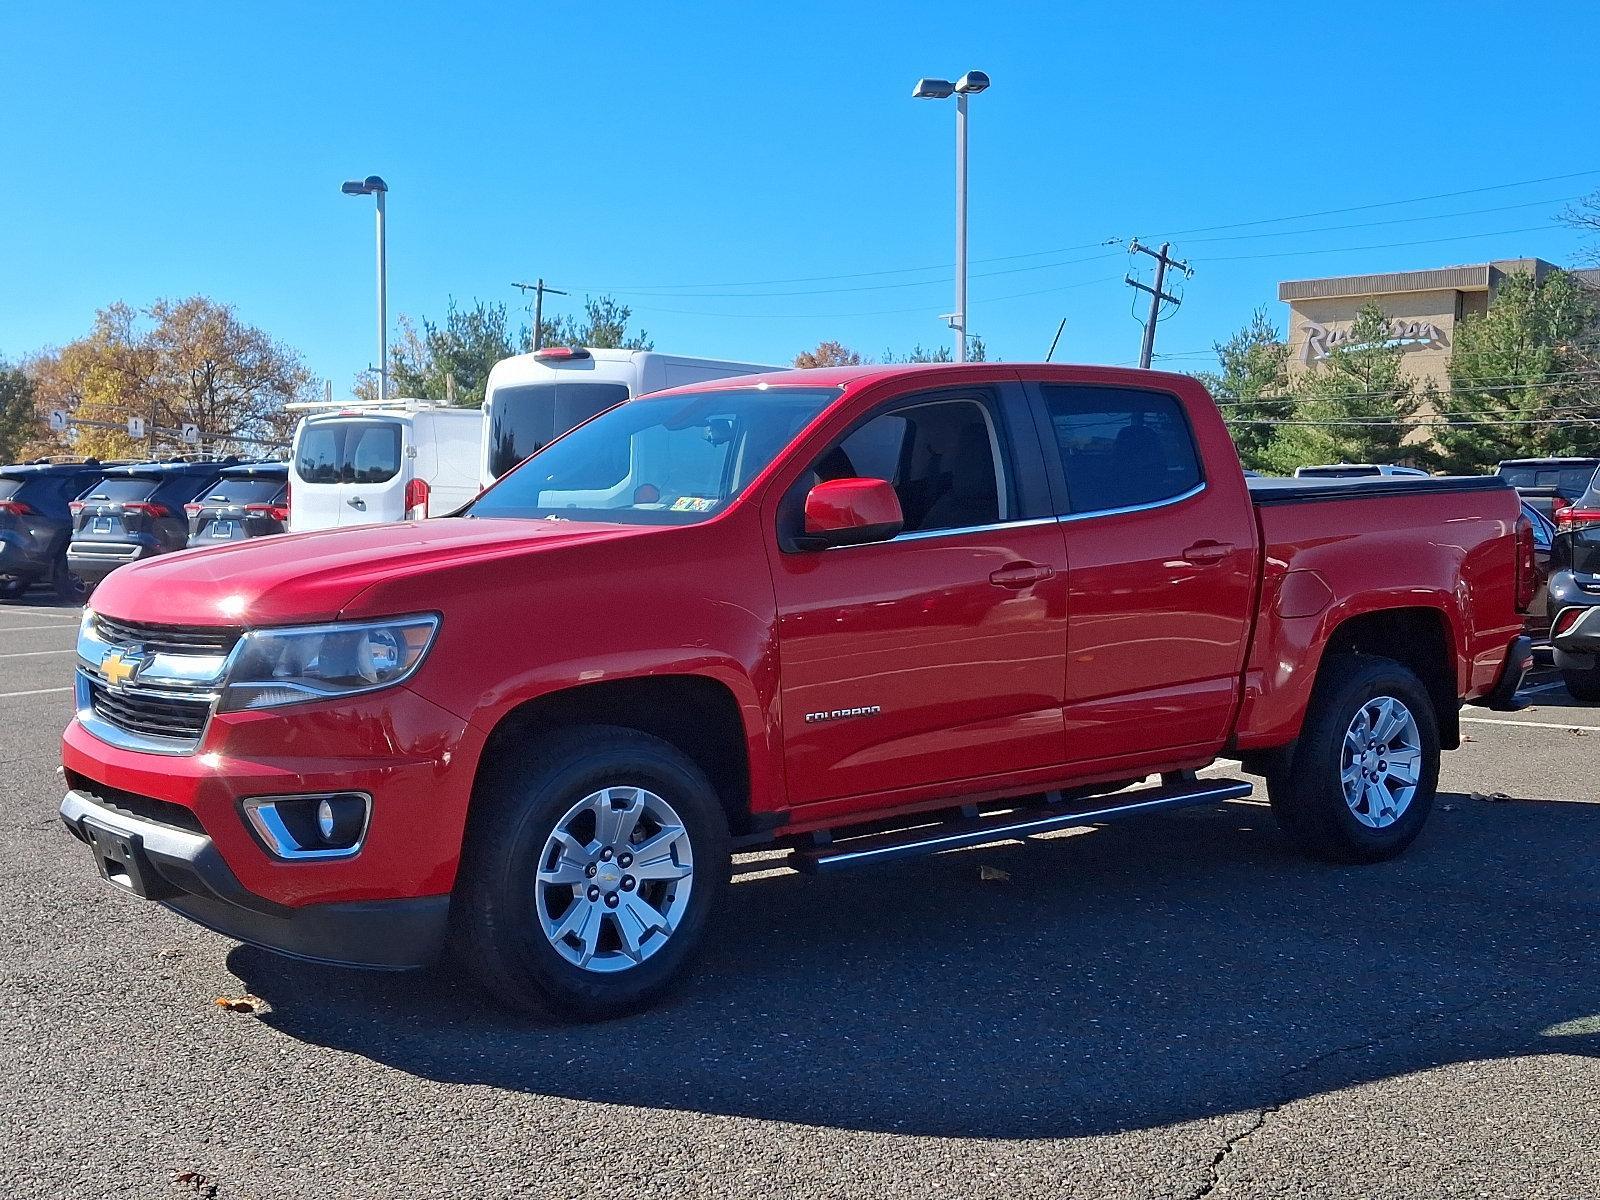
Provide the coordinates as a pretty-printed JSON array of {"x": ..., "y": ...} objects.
[
  {"x": 1163, "y": 261},
  {"x": 538, "y": 288}
]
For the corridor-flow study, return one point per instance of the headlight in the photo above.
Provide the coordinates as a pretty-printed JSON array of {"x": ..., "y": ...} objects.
[{"x": 314, "y": 662}]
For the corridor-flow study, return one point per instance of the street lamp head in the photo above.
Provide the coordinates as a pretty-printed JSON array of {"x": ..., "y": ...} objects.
[
  {"x": 932, "y": 89},
  {"x": 363, "y": 187},
  {"x": 972, "y": 83}
]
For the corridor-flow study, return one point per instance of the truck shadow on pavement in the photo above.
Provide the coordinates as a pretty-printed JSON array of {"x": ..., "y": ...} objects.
[{"x": 1140, "y": 975}]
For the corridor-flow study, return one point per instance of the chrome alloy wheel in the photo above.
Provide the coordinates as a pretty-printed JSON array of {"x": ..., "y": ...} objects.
[
  {"x": 614, "y": 879},
  {"x": 1381, "y": 762}
]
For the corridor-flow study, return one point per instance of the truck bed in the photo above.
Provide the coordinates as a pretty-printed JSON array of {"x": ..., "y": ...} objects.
[{"x": 1266, "y": 491}]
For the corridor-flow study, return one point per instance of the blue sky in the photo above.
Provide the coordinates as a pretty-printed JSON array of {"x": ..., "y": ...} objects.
[{"x": 167, "y": 150}]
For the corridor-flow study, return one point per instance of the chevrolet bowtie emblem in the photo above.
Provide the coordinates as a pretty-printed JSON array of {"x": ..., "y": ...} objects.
[{"x": 117, "y": 669}]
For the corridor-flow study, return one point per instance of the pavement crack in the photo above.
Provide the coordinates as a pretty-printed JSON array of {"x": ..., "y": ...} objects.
[{"x": 1213, "y": 1177}]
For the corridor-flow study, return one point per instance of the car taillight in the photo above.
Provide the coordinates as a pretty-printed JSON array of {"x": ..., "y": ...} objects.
[
  {"x": 416, "y": 499},
  {"x": 14, "y": 508},
  {"x": 193, "y": 510},
  {"x": 1572, "y": 517},
  {"x": 75, "y": 507},
  {"x": 278, "y": 512},
  {"x": 1565, "y": 620},
  {"x": 147, "y": 509},
  {"x": 561, "y": 352},
  {"x": 1527, "y": 571}
]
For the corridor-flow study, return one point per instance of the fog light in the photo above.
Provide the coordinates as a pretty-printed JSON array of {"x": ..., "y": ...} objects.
[{"x": 302, "y": 827}]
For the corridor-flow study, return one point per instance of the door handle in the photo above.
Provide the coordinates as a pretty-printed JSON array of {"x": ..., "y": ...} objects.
[
  {"x": 1020, "y": 575},
  {"x": 356, "y": 502},
  {"x": 1204, "y": 553}
]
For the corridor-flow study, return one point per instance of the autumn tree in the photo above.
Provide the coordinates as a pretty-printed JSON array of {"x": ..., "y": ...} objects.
[
  {"x": 19, "y": 415},
  {"x": 176, "y": 362},
  {"x": 1522, "y": 376},
  {"x": 1585, "y": 217},
  {"x": 829, "y": 354},
  {"x": 1355, "y": 405},
  {"x": 1252, "y": 386}
]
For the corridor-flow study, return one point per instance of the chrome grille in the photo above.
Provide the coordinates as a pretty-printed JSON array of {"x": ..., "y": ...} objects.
[
  {"x": 168, "y": 639},
  {"x": 159, "y": 715}
]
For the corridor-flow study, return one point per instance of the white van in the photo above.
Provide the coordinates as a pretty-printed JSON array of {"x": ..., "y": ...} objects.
[
  {"x": 531, "y": 399},
  {"x": 397, "y": 460},
  {"x": 1356, "y": 471}
]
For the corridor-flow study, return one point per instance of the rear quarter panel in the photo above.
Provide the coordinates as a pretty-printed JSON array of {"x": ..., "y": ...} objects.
[{"x": 1450, "y": 552}]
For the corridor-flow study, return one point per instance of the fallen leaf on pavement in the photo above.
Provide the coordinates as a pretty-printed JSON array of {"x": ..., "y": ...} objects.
[
  {"x": 994, "y": 873},
  {"x": 239, "y": 1004},
  {"x": 1491, "y": 798}
]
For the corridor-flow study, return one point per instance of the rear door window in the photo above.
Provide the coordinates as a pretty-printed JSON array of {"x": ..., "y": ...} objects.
[
  {"x": 524, "y": 419},
  {"x": 1121, "y": 447},
  {"x": 349, "y": 452}
]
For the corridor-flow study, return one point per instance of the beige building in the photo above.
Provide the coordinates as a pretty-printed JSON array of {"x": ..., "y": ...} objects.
[{"x": 1423, "y": 308}]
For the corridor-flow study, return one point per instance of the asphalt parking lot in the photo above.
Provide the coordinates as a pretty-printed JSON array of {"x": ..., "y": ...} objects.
[{"x": 1177, "y": 1007}]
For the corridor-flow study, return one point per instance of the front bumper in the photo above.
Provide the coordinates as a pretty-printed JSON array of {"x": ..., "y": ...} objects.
[{"x": 182, "y": 869}]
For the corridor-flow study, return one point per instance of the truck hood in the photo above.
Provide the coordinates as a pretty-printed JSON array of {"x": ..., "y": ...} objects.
[{"x": 305, "y": 577}]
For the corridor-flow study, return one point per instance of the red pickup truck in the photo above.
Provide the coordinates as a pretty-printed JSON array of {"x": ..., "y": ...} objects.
[{"x": 857, "y": 613}]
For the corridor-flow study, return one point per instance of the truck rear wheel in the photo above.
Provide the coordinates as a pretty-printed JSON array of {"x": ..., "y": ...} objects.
[
  {"x": 1363, "y": 775},
  {"x": 592, "y": 864}
]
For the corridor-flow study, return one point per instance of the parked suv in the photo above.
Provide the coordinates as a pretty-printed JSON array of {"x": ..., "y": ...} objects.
[
  {"x": 1549, "y": 484},
  {"x": 250, "y": 500},
  {"x": 1575, "y": 593},
  {"x": 36, "y": 525},
  {"x": 134, "y": 513}
]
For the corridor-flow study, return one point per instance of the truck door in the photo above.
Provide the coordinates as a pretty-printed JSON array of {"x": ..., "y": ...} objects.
[
  {"x": 937, "y": 656},
  {"x": 1160, "y": 575}
]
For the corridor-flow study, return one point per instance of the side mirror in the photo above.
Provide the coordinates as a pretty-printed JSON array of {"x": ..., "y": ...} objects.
[{"x": 851, "y": 512}]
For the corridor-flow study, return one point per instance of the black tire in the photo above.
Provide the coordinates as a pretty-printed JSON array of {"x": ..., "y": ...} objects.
[
  {"x": 13, "y": 589},
  {"x": 519, "y": 801},
  {"x": 1307, "y": 794},
  {"x": 1583, "y": 683}
]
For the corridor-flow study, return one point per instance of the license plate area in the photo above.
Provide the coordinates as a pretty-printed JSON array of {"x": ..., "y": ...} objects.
[
  {"x": 121, "y": 860},
  {"x": 102, "y": 525},
  {"x": 224, "y": 530}
]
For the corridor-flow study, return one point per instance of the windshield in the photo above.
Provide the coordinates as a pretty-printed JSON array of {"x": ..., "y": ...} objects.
[
  {"x": 348, "y": 452},
  {"x": 672, "y": 460},
  {"x": 525, "y": 419},
  {"x": 1568, "y": 481}
]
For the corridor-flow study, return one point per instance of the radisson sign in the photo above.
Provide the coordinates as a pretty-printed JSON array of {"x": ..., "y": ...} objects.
[{"x": 1320, "y": 340}]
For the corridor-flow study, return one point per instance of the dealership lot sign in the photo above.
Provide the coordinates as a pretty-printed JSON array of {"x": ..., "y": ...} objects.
[{"x": 1320, "y": 340}]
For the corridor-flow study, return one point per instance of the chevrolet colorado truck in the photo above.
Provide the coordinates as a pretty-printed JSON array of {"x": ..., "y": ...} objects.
[{"x": 855, "y": 613}]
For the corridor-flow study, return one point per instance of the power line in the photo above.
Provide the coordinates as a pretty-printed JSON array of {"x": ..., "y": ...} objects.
[{"x": 634, "y": 289}]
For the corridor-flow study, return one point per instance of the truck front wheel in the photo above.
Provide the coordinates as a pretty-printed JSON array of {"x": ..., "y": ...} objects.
[
  {"x": 592, "y": 864},
  {"x": 1362, "y": 778}
]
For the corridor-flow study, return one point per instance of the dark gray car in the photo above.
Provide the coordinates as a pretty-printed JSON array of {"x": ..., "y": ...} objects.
[
  {"x": 36, "y": 525},
  {"x": 135, "y": 513},
  {"x": 1575, "y": 594},
  {"x": 249, "y": 500}
]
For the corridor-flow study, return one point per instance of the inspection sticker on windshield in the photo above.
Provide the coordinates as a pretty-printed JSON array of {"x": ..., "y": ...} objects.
[{"x": 693, "y": 504}]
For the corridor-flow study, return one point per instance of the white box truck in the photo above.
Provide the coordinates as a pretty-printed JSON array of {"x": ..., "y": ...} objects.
[{"x": 532, "y": 399}]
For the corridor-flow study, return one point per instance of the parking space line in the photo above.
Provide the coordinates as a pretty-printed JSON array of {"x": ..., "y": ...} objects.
[
  {"x": 38, "y": 653},
  {"x": 1530, "y": 724},
  {"x": 34, "y": 692},
  {"x": 1543, "y": 687}
]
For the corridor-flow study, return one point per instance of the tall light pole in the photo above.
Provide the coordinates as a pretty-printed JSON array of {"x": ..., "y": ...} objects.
[
  {"x": 372, "y": 185},
  {"x": 969, "y": 84}
]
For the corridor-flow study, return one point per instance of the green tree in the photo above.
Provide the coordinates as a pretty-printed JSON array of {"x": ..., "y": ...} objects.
[
  {"x": 1355, "y": 405},
  {"x": 1521, "y": 377},
  {"x": 1252, "y": 386},
  {"x": 463, "y": 349},
  {"x": 19, "y": 416},
  {"x": 977, "y": 352},
  {"x": 604, "y": 326}
]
